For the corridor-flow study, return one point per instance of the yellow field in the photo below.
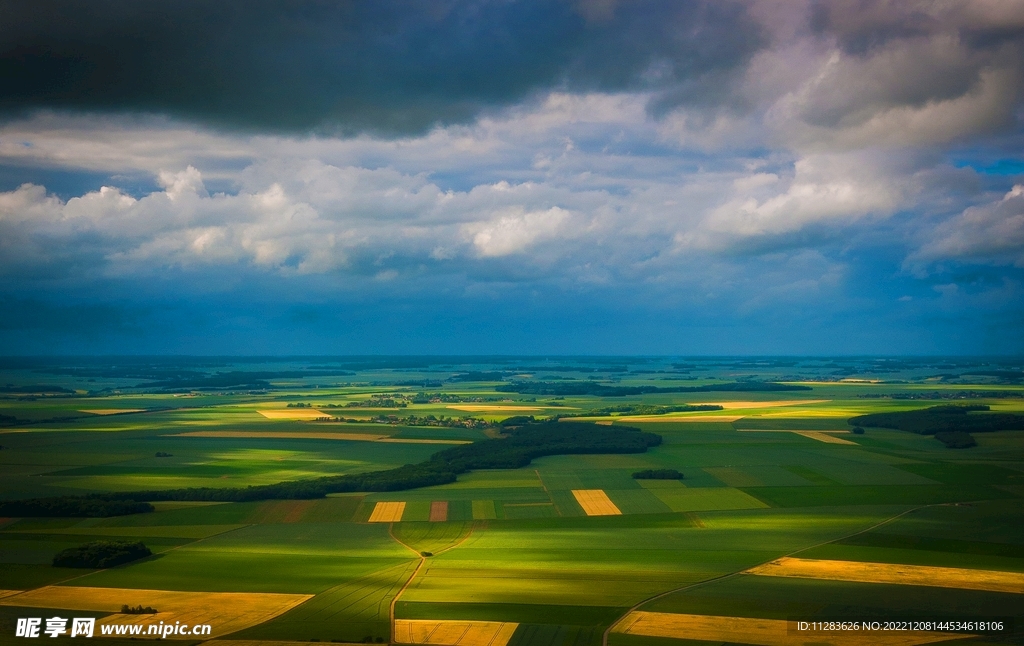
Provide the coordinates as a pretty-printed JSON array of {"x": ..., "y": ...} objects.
[
  {"x": 226, "y": 612},
  {"x": 387, "y": 512},
  {"x": 668, "y": 417},
  {"x": 679, "y": 417},
  {"x": 8, "y": 593},
  {"x": 483, "y": 408},
  {"x": 453, "y": 633},
  {"x": 769, "y": 404},
  {"x": 112, "y": 411},
  {"x": 766, "y": 632},
  {"x": 937, "y": 577},
  {"x": 292, "y": 413},
  {"x": 595, "y": 502},
  {"x": 822, "y": 436}
]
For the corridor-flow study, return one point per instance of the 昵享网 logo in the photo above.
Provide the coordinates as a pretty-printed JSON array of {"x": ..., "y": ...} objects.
[{"x": 55, "y": 627}]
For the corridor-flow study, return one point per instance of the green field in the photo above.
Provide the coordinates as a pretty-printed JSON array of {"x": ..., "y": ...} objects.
[{"x": 515, "y": 544}]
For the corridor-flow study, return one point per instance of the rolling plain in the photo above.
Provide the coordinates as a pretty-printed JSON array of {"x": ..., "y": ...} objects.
[{"x": 783, "y": 513}]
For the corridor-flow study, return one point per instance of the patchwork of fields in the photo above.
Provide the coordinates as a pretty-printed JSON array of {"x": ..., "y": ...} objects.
[{"x": 782, "y": 513}]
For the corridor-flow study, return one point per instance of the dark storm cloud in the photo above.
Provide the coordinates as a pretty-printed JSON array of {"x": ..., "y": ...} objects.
[
  {"x": 862, "y": 25},
  {"x": 346, "y": 66}
]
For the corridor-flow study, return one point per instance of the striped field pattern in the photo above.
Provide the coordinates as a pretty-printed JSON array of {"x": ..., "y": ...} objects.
[
  {"x": 595, "y": 502},
  {"x": 387, "y": 512},
  {"x": 453, "y": 633},
  {"x": 939, "y": 577}
]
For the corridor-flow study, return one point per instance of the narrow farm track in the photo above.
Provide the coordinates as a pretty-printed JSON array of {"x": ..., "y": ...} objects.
[
  {"x": 412, "y": 577},
  {"x": 723, "y": 577}
]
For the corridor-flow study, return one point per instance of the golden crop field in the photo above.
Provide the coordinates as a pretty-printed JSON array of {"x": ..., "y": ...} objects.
[
  {"x": 111, "y": 411},
  {"x": 940, "y": 577},
  {"x": 826, "y": 437},
  {"x": 225, "y": 612},
  {"x": 674, "y": 417},
  {"x": 453, "y": 633},
  {"x": 764, "y": 632},
  {"x": 768, "y": 404},
  {"x": 595, "y": 502},
  {"x": 387, "y": 512},
  {"x": 292, "y": 413},
  {"x": 483, "y": 408}
]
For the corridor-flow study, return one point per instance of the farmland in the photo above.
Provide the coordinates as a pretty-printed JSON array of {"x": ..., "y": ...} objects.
[{"x": 784, "y": 510}]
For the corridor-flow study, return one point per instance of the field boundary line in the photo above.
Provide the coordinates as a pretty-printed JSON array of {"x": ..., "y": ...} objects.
[
  {"x": 545, "y": 488},
  {"x": 729, "y": 575},
  {"x": 419, "y": 566}
]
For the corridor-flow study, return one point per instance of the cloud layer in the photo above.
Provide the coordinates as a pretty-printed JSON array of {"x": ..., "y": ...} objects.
[{"x": 751, "y": 164}]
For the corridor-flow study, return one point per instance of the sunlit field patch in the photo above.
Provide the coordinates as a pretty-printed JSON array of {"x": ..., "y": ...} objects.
[
  {"x": 768, "y": 404},
  {"x": 453, "y": 633},
  {"x": 483, "y": 408},
  {"x": 668, "y": 417},
  {"x": 484, "y": 510},
  {"x": 765, "y": 632},
  {"x": 292, "y": 413},
  {"x": 387, "y": 512},
  {"x": 826, "y": 437},
  {"x": 940, "y": 577},
  {"x": 226, "y": 612},
  {"x": 112, "y": 411},
  {"x": 595, "y": 502}
]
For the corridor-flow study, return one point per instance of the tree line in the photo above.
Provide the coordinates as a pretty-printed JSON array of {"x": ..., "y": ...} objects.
[{"x": 518, "y": 448}]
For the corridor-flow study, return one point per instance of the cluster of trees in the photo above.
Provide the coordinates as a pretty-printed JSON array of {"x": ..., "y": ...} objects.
[
  {"x": 516, "y": 420},
  {"x": 138, "y": 610},
  {"x": 517, "y": 449},
  {"x": 478, "y": 376},
  {"x": 658, "y": 474},
  {"x": 37, "y": 388},
  {"x": 163, "y": 454},
  {"x": 380, "y": 401},
  {"x": 89, "y": 506},
  {"x": 101, "y": 554},
  {"x": 440, "y": 398},
  {"x": 951, "y": 424},
  {"x": 952, "y": 417},
  {"x": 430, "y": 420},
  {"x": 949, "y": 394},
  {"x": 591, "y": 388},
  {"x": 956, "y": 439}
]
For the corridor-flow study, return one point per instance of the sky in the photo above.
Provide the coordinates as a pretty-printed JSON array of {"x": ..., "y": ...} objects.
[{"x": 512, "y": 176}]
